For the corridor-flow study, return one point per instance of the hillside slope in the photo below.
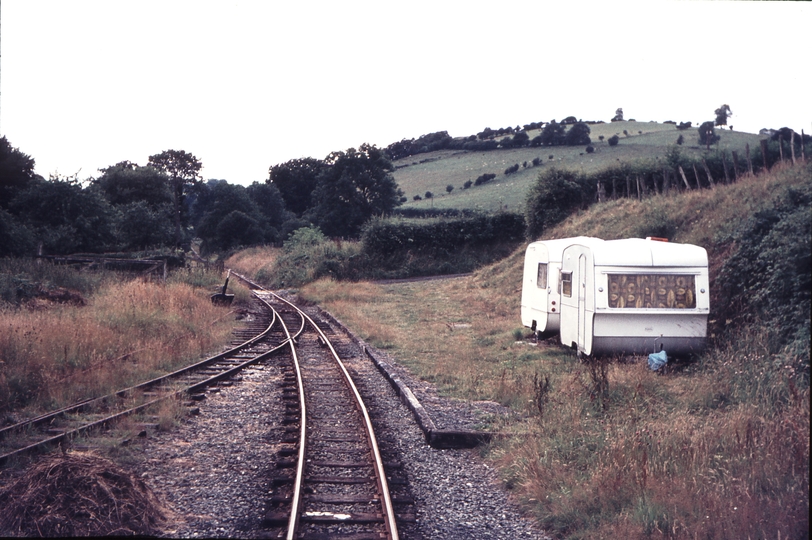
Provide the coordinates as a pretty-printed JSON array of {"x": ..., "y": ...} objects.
[
  {"x": 716, "y": 448},
  {"x": 434, "y": 171}
]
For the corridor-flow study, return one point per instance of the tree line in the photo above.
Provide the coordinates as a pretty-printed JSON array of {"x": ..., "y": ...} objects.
[{"x": 165, "y": 203}]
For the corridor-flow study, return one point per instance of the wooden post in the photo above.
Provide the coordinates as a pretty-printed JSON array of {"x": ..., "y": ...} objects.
[
  {"x": 763, "y": 143},
  {"x": 735, "y": 166},
  {"x": 781, "y": 147},
  {"x": 682, "y": 173},
  {"x": 628, "y": 187},
  {"x": 696, "y": 175},
  {"x": 707, "y": 171},
  {"x": 666, "y": 181},
  {"x": 749, "y": 161},
  {"x": 803, "y": 150},
  {"x": 639, "y": 193},
  {"x": 792, "y": 145},
  {"x": 601, "y": 192},
  {"x": 724, "y": 164}
]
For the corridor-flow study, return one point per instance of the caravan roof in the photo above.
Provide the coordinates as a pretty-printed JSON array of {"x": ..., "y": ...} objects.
[{"x": 639, "y": 252}]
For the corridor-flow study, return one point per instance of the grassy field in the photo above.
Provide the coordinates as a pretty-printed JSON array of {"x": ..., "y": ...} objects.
[
  {"x": 435, "y": 170},
  {"x": 717, "y": 448}
]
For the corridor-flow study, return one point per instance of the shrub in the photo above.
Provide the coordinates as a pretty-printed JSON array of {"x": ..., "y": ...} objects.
[
  {"x": 556, "y": 194},
  {"x": 707, "y": 135},
  {"x": 484, "y": 178},
  {"x": 512, "y": 169},
  {"x": 613, "y": 140},
  {"x": 590, "y": 149},
  {"x": 417, "y": 198},
  {"x": 467, "y": 184}
]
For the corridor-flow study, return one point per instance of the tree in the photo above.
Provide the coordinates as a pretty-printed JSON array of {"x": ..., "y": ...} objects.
[
  {"x": 296, "y": 180},
  {"x": 618, "y": 116},
  {"x": 613, "y": 140},
  {"x": 127, "y": 182},
  {"x": 722, "y": 114},
  {"x": 449, "y": 188},
  {"x": 556, "y": 194},
  {"x": 16, "y": 171},
  {"x": 353, "y": 186},
  {"x": 553, "y": 134},
  {"x": 183, "y": 170},
  {"x": 429, "y": 195},
  {"x": 65, "y": 217},
  {"x": 707, "y": 135},
  {"x": 578, "y": 135}
]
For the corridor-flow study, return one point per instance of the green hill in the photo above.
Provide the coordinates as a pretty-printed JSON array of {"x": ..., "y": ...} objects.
[{"x": 433, "y": 171}]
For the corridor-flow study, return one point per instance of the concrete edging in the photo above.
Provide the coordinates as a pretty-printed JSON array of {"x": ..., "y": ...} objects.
[{"x": 436, "y": 438}]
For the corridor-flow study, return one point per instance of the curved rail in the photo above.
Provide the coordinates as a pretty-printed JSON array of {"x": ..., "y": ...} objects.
[
  {"x": 383, "y": 487},
  {"x": 153, "y": 383}
]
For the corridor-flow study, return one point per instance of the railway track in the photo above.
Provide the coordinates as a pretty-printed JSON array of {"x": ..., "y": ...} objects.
[
  {"x": 257, "y": 342},
  {"x": 332, "y": 479}
]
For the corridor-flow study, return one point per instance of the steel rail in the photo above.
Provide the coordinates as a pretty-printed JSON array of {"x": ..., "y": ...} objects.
[
  {"x": 78, "y": 407},
  {"x": 383, "y": 486}
]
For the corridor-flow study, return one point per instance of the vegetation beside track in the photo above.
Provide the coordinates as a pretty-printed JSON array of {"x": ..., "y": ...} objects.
[
  {"x": 718, "y": 447},
  {"x": 122, "y": 332}
]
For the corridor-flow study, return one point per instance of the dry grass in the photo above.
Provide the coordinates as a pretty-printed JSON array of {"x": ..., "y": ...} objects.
[
  {"x": 716, "y": 449},
  {"x": 126, "y": 333},
  {"x": 79, "y": 494},
  {"x": 250, "y": 261}
]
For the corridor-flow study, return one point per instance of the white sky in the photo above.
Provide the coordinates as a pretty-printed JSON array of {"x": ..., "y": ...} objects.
[{"x": 244, "y": 85}]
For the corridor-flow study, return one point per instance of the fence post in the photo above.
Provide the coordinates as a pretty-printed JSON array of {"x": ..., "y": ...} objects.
[
  {"x": 724, "y": 164},
  {"x": 707, "y": 171},
  {"x": 803, "y": 150},
  {"x": 682, "y": 173},
  {"x": 666, "y": 182},
  {"x": 749, "y": 161},
  {"x": 735, "y": 166},
  {"x": 696, "y": 176},
  {"x": 628, "y": 187},
  {"x": 781, "y": 148},
  {"x": 763, "y": 143},
  {"x": 639, "y": 192},
  {"x": 792, "y": 145}
]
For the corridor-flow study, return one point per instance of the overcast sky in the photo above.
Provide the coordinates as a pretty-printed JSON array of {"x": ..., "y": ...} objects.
[{"x": 244, "y": 85}]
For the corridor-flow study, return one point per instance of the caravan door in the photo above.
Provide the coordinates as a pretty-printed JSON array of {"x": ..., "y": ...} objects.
[{"x": 580, "y": 279}]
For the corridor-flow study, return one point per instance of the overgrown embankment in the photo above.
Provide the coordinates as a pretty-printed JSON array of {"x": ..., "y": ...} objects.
[
  {"x": 110, "y": 333},
  {"x": 716, "y": 448},
  {"x": 388, "y": 249}
]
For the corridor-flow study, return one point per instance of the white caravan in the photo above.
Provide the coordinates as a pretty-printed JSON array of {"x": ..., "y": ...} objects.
[
  {"x": 541, "y": 296},
  {"x": 634, "y": 296}
]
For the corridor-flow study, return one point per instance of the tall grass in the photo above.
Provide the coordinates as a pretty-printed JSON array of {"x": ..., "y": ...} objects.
[
  {"x": 717, "y": 448},
  {"x": 128, "y": 331}
]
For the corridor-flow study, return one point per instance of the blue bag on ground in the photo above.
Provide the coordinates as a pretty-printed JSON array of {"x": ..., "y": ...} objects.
[{"x": 657, "y": 360}]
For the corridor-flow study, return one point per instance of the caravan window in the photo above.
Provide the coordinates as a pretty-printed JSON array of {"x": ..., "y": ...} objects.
[
  {"x": 566, "y": 283},
  {"x": 669, "y": 291},
  {"x": 541, "y": 280}
]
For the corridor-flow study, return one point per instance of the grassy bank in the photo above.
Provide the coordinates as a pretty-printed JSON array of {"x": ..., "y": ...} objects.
[
  {"x": 717, "y": 448},
  {"x": 52, "y": 354}
]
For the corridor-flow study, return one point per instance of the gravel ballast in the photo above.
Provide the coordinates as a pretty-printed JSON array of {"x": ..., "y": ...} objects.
[{"x": 214, "y": 470}]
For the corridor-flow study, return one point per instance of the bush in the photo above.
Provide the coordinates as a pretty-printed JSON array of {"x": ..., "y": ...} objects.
[
  {"x": 707, "y": 135},
  {"x": 484, "y": 178},
  {"x": 768, "y": 278},
  {"x": 590, "y": 149},
  {"x": 512, "y": 169},
  {"x": 613, "y": 140},
  {"x": 556, "y": 194},
  {"x": 467, "y": 184}
]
